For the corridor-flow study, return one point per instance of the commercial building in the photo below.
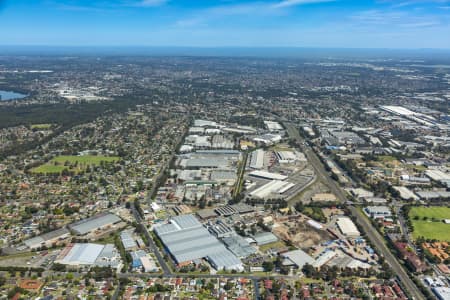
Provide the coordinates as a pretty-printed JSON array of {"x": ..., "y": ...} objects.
[
  {"x": 47, "y": 239},
  {"x": 442, "y": 293},
  {"x": 299, "y": 258},
  {"x": 257, "y": 159},
  {"x": 264, "y": 238},
  {"x": 186, "y": 239},
  {"x": 90, "y": 255},
  {"x": 347, "y": 227},
  {"x": 272, "y": 187},
  {"x": 127, "y": 241},
  {"x": 267, "y": 175},
  {"x": 378, "y": 212},
  {"x": 97, "y": 222}
]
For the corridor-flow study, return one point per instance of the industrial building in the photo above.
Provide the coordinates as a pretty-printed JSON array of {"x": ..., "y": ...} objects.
[
  {"x": 94, "y": 223},
  {"x": 273, "y": 126},
  {"x": 297, "y": 258},
  {"x": 442, "y": 293},
  {"x": 214, "y": 159},
  {"x": 272, "y": 187},
  {"x": 127, "y": 240},
  {"x": 257, "y": 159},
  {"x": 267, "y": 175},
  {"x": 347, "y": 227},
  {"x": 264, "y": 238},
  {"x": 47, "y": 239},
  {"x": 90, "y": 255},
  {"x": 186, "y": 239},
  {"x": 378, "y": 212}
]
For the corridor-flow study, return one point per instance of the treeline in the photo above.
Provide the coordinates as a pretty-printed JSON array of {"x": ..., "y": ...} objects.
[{"x": 64, "y": 114}]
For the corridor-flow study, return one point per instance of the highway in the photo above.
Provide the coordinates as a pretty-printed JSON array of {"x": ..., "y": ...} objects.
[{"x": 372, "y": 234}]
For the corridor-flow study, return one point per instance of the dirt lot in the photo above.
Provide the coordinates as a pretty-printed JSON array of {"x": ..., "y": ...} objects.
[{"x": 301, "y": 234}]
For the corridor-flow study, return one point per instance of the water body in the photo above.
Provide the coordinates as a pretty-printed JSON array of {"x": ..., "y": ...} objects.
[{"x": 9, "y": 95}]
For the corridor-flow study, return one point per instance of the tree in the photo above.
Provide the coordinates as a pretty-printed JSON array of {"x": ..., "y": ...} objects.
[{"x": 268, "y": 266}]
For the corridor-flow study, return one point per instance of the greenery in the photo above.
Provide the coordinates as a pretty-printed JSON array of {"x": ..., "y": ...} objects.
[
  {"x": 427, "y": 222},
  {"x": 72, "y": 164}
]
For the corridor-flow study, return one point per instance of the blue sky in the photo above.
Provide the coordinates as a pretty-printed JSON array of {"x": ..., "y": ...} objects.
[{"x": 218, "y": 23}]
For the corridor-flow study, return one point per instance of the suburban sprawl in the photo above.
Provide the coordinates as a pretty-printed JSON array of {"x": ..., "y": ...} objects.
[{"x": 225, "y": 178}]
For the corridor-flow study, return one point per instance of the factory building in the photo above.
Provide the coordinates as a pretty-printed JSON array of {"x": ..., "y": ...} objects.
[
  {"x": 89, "y": 254},
  {"x": 257, "y": 159},
  {"x": 347, "y": 227},
  {"x": 47, "y": 239},
  {"x": 187, "y": 240},
  {"x": 97, "y": 222}
]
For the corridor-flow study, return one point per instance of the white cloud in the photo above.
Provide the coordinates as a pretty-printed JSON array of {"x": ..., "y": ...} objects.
[
  {"x": 152, "y": 2},
  {"x": 288, "y": 3}
]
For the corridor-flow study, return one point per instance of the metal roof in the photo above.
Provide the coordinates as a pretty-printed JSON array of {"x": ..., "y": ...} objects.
[
  {"x": 224, "y": 260},
  {"x": 187, "y": 239},
  {"x": 87, "y": 225},
  {"x": 264, "y": 238},
  {"x": 82, "y": 254}
]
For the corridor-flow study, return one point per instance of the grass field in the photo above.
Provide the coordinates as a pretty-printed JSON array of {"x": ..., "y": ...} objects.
[
  {"x": 432, "y": 227},
  {"x": 72, "y": 163}
]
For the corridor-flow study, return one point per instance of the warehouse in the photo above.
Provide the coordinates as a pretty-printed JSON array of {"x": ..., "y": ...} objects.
[
  {"x": 347, "y": 227},
  {"x": 273, "y": 187},
  {"x": 378, "y": 212},
  {"x": 224, "y": 176},
  {"x": 273, "y": 126},
  {"x": 225, "y": 260},
  {"x": 257, "y": 159},
  {"x": 127, "y": 241},
  {"x": 96, "y": 222},
  {"x": 90, "y": 255},
  {"x": 186, "y": 239},
  {"x": 239, "y": 246},
  {"x": 264, "y": 238},
  {"x": 267, "y": 175},
  {"x": 285, "y": 157},
  {"x": 47, "y": 239},
  {"x": 298, "y": 257}
]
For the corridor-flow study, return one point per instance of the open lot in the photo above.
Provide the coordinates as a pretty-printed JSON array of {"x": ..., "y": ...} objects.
[
  {"x": 432, "y": 226},
  {"x": 72, "y": 163}
]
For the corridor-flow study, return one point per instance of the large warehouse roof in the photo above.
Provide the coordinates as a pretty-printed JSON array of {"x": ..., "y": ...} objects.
[
  {"x": 187, "y": 240},
  {"x": 82, "y": 254},
  {"x": 347, "y": 227},
  {"x": 36, "y": 241},
  {"x": 268, "y": 175},
  {"x": 87, "y": 225}
]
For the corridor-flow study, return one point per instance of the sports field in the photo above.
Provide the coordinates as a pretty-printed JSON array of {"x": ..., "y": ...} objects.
[
  {"x": 72, "y": 163},
  {"x": 428, "y": 222}
]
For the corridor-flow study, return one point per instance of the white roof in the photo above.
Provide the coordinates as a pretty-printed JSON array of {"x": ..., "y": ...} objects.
[
  {"x": 298, "y": 257},
  {"x": 274, "y": 186},
  {"x": 347, "y": 226},
  {"x": 268, "y": 175},
  {"x": 82, "y": 254}
]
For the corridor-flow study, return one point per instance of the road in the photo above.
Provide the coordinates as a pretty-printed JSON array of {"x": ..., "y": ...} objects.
[
  {"x": 372, "y": 234},
  {"x": 151, "y": 244}
]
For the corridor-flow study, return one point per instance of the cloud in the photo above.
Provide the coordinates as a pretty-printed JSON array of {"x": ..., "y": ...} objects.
[
  {"x": 152, "y": 2},
  {"x": 288, "y": 3}
]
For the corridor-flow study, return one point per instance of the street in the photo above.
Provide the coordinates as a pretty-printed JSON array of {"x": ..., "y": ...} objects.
[{"x": 372, "y": 234}]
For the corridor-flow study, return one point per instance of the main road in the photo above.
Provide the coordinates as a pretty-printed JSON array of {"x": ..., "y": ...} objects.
[{"x": 372, "y": 234}]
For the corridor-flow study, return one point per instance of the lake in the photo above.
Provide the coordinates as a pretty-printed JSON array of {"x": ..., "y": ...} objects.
[{"x": 9, "y": 95}]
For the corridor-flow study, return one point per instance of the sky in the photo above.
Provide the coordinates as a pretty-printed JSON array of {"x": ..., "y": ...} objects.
[{"x": 412, "y": 24}]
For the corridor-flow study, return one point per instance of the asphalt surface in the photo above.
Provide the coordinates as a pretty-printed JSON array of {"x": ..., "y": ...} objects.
[
  {"x": 151, "y": 244},
  {"x": 372, "y": 234}
]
